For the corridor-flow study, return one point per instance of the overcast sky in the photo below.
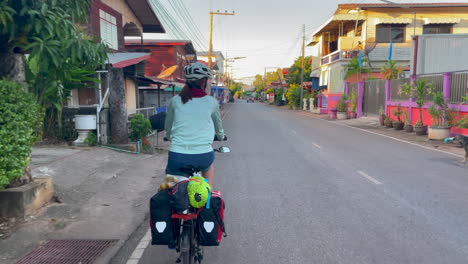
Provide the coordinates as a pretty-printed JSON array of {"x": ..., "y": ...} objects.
[{"x": 267, "y": 32}]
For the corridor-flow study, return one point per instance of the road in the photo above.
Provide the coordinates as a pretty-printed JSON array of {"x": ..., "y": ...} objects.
[{"x": 304, "y": 190}]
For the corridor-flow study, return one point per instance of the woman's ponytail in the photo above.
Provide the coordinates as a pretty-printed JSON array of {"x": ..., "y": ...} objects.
[{"x": 186, "y": 94}]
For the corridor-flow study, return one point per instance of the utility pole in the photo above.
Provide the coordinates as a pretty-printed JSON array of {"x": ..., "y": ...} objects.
[
  {"x": 302, "y": 68},
  {"x": 210, "y": 44}
]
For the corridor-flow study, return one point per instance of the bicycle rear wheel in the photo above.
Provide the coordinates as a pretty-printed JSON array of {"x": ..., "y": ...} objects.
[{"x": 186, "y": 255}]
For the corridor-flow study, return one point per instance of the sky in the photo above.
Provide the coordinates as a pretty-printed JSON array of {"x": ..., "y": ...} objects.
[{"x": 267, "y": 32}]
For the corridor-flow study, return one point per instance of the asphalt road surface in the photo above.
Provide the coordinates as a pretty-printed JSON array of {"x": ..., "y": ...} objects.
[{"x": 303, "y": 190}]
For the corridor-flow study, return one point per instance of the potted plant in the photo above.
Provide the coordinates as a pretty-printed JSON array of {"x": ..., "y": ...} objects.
[
  {"x": 442, "y": 118},
  {"x": 419, "y": 90},
  {"x": 139, "y": 127},
  {"x": 388, "y": 122},
  {"x": 353, "y": 105},
  {"x": 381, "y": 116},
  {"x": 341, "y": 108},
  {"x": 398, "y": 124},
  {"x": 408, "y": 127}
]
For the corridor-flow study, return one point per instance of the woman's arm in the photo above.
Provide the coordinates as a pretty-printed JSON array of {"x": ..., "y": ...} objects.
[
  {"x": 169, "y": 120},
  {"x": 218, "y": 123}
]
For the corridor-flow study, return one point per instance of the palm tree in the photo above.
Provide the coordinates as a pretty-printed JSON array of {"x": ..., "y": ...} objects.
[
  {"x": 353, "y": 68},
  {"x": 390, "y": 71}
]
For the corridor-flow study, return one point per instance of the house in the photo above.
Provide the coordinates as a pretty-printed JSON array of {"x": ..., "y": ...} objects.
[
  {"x": 164, "y": 69},
  {"x": 370, "y": 28},
  {"x": 111, "y": 21}
]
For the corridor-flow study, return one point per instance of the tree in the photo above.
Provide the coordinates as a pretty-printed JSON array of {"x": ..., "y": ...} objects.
[
  {"x": 295, "y": 71},
  {"x": 419, "y": 90},
  {"x": 390, "y": 71},
  {"x": 258, "y": 83},
  {"x": 62, "y": 56},
  {"x": 353, "y": 68},
  {"x": 293, "y": 94}
]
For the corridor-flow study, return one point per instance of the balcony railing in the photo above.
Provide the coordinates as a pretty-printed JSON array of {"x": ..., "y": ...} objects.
[{"x": 339, "y": 55}]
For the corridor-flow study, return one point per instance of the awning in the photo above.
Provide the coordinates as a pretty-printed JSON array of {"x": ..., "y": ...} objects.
[
  {"x": 178, "y": 87},
  {"x": 125, "y": 59},
  {"x": 441, "y": 20},
  {"x": 392, "y": 20}
]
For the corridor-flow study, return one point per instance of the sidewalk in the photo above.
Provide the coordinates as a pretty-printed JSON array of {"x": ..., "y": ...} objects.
[
  {"x": 101, "y": 194},
  {"x": 371, "y": 124}
]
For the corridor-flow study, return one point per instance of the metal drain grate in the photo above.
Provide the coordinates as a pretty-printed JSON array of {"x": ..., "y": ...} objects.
[{"x": 67, "y": 251}]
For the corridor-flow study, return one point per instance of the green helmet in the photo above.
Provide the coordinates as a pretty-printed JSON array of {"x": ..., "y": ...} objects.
[{"x": 198, "y": 191}]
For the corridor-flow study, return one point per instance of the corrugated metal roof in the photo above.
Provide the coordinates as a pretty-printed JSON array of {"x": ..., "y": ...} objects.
[
  {"x": 145, "y": 13},
  {"x": 442, "y": 20},
  {"x": 124, "y": 59}
]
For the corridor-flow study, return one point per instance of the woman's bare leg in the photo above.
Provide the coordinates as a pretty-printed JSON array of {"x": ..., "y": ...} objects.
[{"x": 209, "y": 174}]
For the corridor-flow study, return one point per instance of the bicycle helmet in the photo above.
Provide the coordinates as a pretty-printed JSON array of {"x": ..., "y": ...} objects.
[{"x": 196, "y": 71}]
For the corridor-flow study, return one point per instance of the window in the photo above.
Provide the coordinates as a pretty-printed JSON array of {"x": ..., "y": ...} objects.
[
  {"x": 387, "y": 33},
  {"x": 109, "y": 30},
  {"x": 438, "y": 29}
]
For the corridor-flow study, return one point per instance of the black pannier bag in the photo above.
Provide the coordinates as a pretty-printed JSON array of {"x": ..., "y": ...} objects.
[
  {"x": 162, "y": 227},
  {"x": 210, "y": 222}
]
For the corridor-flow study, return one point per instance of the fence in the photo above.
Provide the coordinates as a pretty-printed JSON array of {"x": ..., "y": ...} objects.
[
  {"x": 353, "y": 88},
  {"x": 374, "y": 96},
  {"x": 396, "y": 90},
  {"x": 459, "y": 87},
  {"x": 147, "y": 112},
  {"x": 437, "y": 82}
]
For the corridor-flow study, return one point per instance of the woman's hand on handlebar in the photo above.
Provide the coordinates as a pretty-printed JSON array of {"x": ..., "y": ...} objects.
[{"x": 216, "y": 138}]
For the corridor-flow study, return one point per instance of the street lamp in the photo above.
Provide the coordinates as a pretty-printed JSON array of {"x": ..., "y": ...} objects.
[{"x": 233, "y": 59}]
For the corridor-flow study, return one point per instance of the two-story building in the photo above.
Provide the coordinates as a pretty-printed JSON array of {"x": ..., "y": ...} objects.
[
  {"x": 165, "y": 68},
  {"x": 116, "y": 96},
  {"x": 370, "y": 28}
]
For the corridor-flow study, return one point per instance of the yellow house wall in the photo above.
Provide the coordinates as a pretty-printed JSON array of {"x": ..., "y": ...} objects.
[
  {"x": 130, "y": 96},
  {"x": 127, "y": 14},
  {"x": 421, "y": 13}
]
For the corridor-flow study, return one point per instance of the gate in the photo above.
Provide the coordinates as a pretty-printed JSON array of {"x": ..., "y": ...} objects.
[{"x": 374, "y": 97}]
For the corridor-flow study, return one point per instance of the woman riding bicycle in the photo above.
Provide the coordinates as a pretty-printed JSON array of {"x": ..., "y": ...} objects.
[{"x": 192, "y": 119}]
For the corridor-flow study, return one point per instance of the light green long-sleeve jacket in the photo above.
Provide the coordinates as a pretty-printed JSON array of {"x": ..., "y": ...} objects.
[{"x": 191, "y": 127}]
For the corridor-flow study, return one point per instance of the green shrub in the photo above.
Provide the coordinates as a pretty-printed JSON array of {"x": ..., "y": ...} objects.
[
  {"x": 18, "y": 122},
  {"x": 140, "y": 127},
  {"x": 91, "y": 139},
  {"x": 342, "y": 105},
  {"x": 462, "y": 123},
  {"x": 293, "y": 95}
]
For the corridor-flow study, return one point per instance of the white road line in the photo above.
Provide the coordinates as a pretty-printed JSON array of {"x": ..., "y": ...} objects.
[
  {"x": 363, "y": 174},
  {"x": 140, "y": 249},
  {"x": 317, "y": 145},
  {"x": 394, "y": 138}
]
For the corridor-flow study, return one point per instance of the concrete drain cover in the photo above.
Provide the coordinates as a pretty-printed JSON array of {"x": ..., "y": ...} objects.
[{"x": 68, "y": 251}]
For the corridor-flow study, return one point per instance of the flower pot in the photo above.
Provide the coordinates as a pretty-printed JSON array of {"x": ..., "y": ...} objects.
[
  {"x": 408, "y": 128},
  {"x": 341, "y": 115},
  {"x": 382, "y": 120},
  {"x": 352, "y": 115},
  {"x": 388, "y": 123},
  {"x": 420, "y": 130},
  {"x": 397, "y": 125},
  {"x": 332, "y": 113},
  {"x": 438, "y": 132}
]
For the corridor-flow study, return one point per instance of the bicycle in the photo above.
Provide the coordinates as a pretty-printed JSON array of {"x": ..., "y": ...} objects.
[{"x": 187, "y": 239}]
